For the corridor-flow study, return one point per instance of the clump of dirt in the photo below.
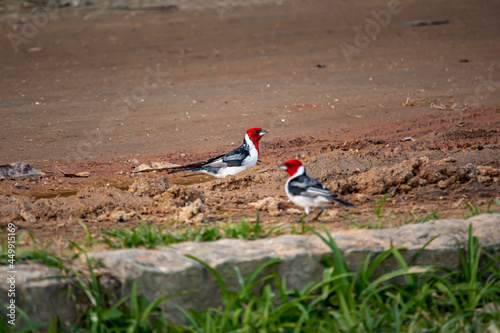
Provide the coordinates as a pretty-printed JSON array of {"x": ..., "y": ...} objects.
[
  {"x": 232, "y": 183},
  {"x": 357, "y": 175},
  {"x": 422, "y": 181},
  {"x": 271, "y": 205},
  {"x": 87, "y": 203},
  {"x": 416, "y": 172},
  {"x": 146, "y": 197},
  {"x": 149, "y": 187},
  {"x": 361, "y": 145},
  {"x": 193, "y": 212},
  {"x": 184, "y": 193}
]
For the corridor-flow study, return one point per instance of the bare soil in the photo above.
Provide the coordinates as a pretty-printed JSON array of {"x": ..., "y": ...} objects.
[{"x": 102, "y": 91}]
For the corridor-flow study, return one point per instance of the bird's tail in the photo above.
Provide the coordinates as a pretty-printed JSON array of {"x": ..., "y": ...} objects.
[
  {"x": 191, "y": 167},
  {"x": 343, "y": 202}
]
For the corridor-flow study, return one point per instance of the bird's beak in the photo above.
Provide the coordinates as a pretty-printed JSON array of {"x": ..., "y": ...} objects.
[
  {"x": 282, "y": 166},
  {"x": 262, "y": 132}
]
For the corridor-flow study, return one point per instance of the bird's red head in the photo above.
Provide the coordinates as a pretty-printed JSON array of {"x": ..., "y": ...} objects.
[
  {"x": 255, "y": 134},
  {"x": 291, "y": 166}
]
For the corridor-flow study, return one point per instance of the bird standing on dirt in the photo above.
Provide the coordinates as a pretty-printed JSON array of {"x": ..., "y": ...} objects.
[
  {"x": 242, "y": 158},
  {"x": 305, "y": 191}
]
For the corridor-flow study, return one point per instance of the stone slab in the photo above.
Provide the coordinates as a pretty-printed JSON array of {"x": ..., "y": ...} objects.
[{"x": 166, "y": 270}]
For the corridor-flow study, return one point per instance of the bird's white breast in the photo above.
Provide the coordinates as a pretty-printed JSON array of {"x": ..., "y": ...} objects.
[{"x": 248, "y": 162}]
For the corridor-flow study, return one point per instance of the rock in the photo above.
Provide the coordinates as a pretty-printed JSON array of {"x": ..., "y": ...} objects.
[
  {"x": 184, "y": 193},
  {"x": 294, "y": 211},
  {"x": 362, "y": 198},
  {"x": 434, "y": 171},
  {"x": 487, "y": 171},
  {"x": 121, "y": 216},
  {"x": 484, "y": 180},
  {"x": 193, "y": 212},
  {"x": 149, "y": 187},
  {"x": 166, "y": 270},
  {"x": 404, "y": 188},
  {"x": 28, "y": 217},
  {"x": 267, "y": 204}
]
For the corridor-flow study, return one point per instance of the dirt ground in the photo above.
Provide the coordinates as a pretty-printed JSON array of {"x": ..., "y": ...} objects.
[{"x": 413, "y": 112}]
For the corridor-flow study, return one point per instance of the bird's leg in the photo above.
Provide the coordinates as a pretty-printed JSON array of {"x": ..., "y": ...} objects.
[
  {"x": 302, "y": 219},
  {"x": 319, "y": 214}
]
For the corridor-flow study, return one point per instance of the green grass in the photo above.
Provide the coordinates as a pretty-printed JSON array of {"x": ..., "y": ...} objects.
[
  {"x": 379, "y": 224},
  {"x": 378, "y": 204},
  {"x": 407, "y": 299},
  {"x": 132, "y": 313},
  {"x": 416, "y": 218},
  {"x": 146, "y": 235},
  {"x": 38, "y": 252},
  {"x": 413, "y": 218},
  {"x": 475, "y": 210},
  {"x": 150, "y": 236},
  {"x": 369, "y": 299}
]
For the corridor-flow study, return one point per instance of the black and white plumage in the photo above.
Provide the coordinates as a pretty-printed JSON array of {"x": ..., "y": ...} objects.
[
  {"x": 241, "y": 158},
  {"x": 305, "y": 191}
]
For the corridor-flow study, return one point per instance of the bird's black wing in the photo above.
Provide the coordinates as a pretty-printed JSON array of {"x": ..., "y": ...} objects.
[
  {"x": 307, "y": 186},
  {"x": 232, "y": 159}
]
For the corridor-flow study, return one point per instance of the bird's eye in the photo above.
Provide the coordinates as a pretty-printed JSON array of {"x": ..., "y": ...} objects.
[{"x": 254, "y": 132}]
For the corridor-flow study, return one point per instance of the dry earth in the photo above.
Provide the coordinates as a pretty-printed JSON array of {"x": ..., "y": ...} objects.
[{"x": 414, "y": 113}]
